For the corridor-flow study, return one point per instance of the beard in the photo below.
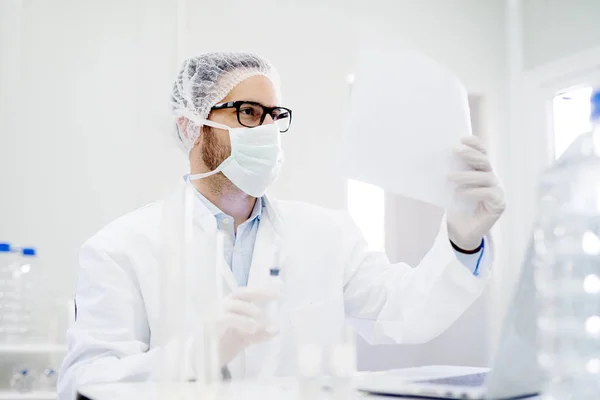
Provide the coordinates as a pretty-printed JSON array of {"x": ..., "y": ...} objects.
[{"x": 214, "y": 152}]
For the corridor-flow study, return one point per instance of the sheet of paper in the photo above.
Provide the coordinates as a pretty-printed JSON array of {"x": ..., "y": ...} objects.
[{"x": 407, "y": 113}]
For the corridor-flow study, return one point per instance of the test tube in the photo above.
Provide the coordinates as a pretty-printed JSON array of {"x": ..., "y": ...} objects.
[
  {"x": 309, "y": 360},
  {"x": 273, "y": 283},
  {"x": 209, "y": 294},
  {"x": 176, "y": 209},
  {"x": 342, "y": 364}
]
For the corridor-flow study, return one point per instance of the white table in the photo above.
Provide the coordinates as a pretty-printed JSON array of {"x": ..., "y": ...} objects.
[{"x": 267, "y": 389}]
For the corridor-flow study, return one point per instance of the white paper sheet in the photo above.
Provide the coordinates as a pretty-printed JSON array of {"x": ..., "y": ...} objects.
[{"x": 407, "y": 113}]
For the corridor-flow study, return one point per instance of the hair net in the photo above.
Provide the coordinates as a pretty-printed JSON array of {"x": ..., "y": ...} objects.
[{"x": 206, "y": 79}]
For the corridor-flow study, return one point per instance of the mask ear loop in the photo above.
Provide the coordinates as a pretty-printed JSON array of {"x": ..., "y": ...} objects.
[
  {"x": 196, "y": 177},
  {"x": 213, "y": 124}
]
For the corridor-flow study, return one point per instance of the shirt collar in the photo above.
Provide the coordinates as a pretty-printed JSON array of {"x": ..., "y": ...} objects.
[{"x": 216, "y": 211}]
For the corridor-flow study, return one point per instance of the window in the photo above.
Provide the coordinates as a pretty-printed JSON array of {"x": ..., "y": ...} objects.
[{"x": 571, "y": 117}]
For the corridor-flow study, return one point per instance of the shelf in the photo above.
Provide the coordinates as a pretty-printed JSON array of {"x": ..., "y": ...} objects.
[
  {"x": 32, "y": 349},
  {"x": 8, "y": 395}
]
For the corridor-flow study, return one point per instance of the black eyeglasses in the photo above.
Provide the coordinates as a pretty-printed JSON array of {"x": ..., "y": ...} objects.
[{"x": 251, "y": 114}]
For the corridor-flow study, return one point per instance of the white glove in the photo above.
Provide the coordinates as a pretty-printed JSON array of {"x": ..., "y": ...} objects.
[
  {"x": 242, "y": 322},
  {"x": 467, "y": 230}
]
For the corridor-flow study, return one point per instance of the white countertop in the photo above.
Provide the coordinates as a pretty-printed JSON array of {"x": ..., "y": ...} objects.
[{"x": 275, "y": 388}]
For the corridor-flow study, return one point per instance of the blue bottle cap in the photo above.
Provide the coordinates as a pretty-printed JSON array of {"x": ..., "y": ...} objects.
[
  {"x": 274, "y": 272},
  {"x": 28, "y": 251},
  {"x": 5, "y": 248},
  {"x": 595, "y": 103}
]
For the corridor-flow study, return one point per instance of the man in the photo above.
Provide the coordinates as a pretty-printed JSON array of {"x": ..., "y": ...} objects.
[{"x": 229, "y": 118}]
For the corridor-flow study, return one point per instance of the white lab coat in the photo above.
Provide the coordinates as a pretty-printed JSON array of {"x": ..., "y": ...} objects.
[{"x": 328, "y": 274}]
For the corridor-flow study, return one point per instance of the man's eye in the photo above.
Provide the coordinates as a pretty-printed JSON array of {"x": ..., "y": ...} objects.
[{"x": 247, "y": 111}]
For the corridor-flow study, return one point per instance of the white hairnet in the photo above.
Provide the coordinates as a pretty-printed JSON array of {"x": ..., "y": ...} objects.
[{"x": 206, "y": 79}]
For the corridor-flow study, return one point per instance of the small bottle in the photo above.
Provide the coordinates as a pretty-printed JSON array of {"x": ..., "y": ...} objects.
[
  {"x": 273, "y": 283},
  {"x": 48, "y": 379},
  {"x": 22, "y": 381}
]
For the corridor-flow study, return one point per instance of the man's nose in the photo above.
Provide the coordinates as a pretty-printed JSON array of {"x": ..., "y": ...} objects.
[{"x": 268, "y": 120}]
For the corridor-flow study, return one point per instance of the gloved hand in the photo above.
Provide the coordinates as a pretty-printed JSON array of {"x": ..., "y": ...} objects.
[
  {"x": 242, "y": 322},
  {"x": 481, "y": 184}
]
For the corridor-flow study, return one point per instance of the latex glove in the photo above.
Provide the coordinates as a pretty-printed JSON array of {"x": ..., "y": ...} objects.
[
  {"x": 466, "y": 230},
  {"x": 242, "y": 322}
]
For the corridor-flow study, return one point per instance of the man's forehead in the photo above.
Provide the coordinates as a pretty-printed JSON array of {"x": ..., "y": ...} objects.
[{"x": 258, "y": 89}]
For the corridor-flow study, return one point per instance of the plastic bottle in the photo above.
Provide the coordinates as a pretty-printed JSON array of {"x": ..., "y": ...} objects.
[
  {"x": 16, "y": 313},
  {"x": 22, "y": 381},
  {"x": 37, "y": 300},
  {"x": 47, "y": 380},
  {"x": 567, "y": 268},
  {"x": 25, "y": 293},
  {"x": 273, "y": 283},
  {"x": 6, "y": 262}
]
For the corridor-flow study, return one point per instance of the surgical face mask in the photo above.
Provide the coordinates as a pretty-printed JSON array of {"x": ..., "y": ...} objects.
[{"x": 255, "y": 160}]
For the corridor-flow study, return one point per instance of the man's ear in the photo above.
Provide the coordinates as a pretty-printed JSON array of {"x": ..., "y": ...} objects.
[{"x": 182, "y": 123}]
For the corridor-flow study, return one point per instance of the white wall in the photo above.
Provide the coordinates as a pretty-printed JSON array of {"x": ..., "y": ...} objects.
[
  {"x": 82, "y": 137},
  {"x": 84, "y": 134},
  {"x": 553, "y": 29}
]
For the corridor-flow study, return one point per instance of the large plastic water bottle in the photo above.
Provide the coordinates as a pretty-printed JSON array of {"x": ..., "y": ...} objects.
[
  {"x": 46, "y": 324},
  {"x": 33, "y": 296},
  {"x": 567, "y": 268},
  {"x": 7, "y": 259},
  {"x": 15, "y": 315},
  {"x": 18, "y": 310}
]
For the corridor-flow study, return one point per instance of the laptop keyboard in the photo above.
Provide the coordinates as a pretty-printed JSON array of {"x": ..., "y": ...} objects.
[{"x": 472, "y": 380}]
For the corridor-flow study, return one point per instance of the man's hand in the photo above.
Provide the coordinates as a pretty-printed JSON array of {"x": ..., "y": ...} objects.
[
  {"x": 466, "y": 230},
  {"x": 242, "y": 322}
]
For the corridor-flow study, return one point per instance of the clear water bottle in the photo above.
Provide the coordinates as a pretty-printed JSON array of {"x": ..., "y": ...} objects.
[
  {"x": 567, "y": 268},
  {"x": 15, "y": 315},
  {"x": 20, "y": 312},
  {"x": 34, "y": 297},
  {"x": 6, "y": 262}
]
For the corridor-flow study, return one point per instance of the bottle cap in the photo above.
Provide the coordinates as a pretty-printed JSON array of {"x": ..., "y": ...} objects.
[
  {"x": 28, "y": 251},
  {"x": 5, "y": 247},
  {"x": 595, "y": 103},
  {"x": 274, "y": 272}
]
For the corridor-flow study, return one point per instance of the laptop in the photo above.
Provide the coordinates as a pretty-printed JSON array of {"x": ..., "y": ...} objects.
[{"x": 514, "y": 373}]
